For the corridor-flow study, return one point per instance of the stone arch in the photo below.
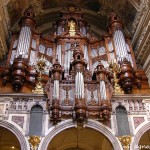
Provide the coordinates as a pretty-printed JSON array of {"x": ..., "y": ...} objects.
[
  {"x": 19, "y": 135},
  {"x": 34, "y": 104},
  {"x": 139, "y": 133},
  {"x": 53, "y": 131},
  {"x": 123, "y": 103}
]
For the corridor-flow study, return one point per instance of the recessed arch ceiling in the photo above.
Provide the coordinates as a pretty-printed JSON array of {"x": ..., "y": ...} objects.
[
  {"x": 8, "y": 141},
  {"x": 83, "y": 138},
  {"x": 96, "y": 12},
  {"x": 145, "y": 140}
]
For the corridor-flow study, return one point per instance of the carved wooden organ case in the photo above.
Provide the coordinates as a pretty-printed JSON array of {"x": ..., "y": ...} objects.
[{"x": 81, "y": 73}]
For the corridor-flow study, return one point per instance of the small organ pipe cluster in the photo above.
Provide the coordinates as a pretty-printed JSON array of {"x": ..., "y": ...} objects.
[{"x": 78, "y": 79}]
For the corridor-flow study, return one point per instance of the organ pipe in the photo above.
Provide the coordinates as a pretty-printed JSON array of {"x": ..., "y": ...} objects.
[
  {"x": 56, "y": 89},
  {"x": 58, "y": 53},
  {"x": 24, "y": 42},
  {"x": 79, "y": 85},
  {"x": 103, "y": 90}
]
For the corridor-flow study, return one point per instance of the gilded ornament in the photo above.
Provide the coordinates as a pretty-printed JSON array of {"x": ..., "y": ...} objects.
[
  {"x": 125, "y": 141},
  {"x": 71, "y": 25},
  {"x": 115, "y": 69},
  {"x": 40, "y": 67},
  {"x": 34, "y": 142}
]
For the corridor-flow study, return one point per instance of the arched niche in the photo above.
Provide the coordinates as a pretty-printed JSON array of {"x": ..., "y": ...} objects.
[
  {"x": 15, "y": 137},
  {"x": 145, "y": 140},
  {"x": 122, "y": 121},
  {"x": 36, "y": 117},
  {"x": 141, "y": 134},
  {"x": 94, "y": 126},
  {"x": 8, "y": 140}
]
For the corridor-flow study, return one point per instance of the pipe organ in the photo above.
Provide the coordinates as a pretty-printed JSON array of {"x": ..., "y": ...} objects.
[{"x": 77, "y": 77}]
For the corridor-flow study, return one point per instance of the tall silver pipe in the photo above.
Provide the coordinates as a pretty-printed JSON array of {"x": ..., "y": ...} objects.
[
  {"x": 120, "y": 45},
  {"x": 82, "y": 86},
  {"x": 29, "y": 39},
  {"x": 79, "y": 83},
  {"x": 103, "y": 90},
  {"x": 21, "y": 41},
  {"x": 68, "y": 60},
  {"x": 19, "y": 47},
  {"x": 76, "y": 85},
  {"x": 116, "y": 43},
  {"x": 65, "y": 61},
  {"x": 57, "y": 82},
  {"x": 25, "y": 42},
  {"x": 56, "y": 89},
  {"x": 125, "y": 48},
  {"x": 24, "y": 38}
]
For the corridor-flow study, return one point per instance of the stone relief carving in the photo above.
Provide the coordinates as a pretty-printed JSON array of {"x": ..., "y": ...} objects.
[{"x": 4, "y": 106}]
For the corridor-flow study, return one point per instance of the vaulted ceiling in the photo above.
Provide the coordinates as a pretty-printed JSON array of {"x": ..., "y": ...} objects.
[
  {"x": 96, "y": 12},
  {"x": 135, "y": 15}
]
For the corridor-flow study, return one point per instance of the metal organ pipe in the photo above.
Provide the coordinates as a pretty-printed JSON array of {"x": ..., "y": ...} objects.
[
  {"x": 24, "y": 42},
  {"x": 116, "y": 44},
  {"x": 79, "y": 85},
  {"x": 120, "y": 45},
  {"x": 59, "y": 53},
  {"x": 56, "y": 89},
  {"x": 20, "y": 42},
  {"x": 82, "y": 86},
  {"x": 76, "y": 85},
  {"x": 68, "y": 61},
  {"x": 103, "y": 90},
  {"x": 86, "y": 55}
]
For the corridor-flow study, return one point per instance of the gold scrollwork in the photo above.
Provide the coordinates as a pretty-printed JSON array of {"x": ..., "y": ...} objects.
[{"x": 40, "y": 67}]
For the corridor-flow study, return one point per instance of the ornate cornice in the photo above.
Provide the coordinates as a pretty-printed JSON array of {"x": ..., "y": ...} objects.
[{"x": 137, "y": 24}]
